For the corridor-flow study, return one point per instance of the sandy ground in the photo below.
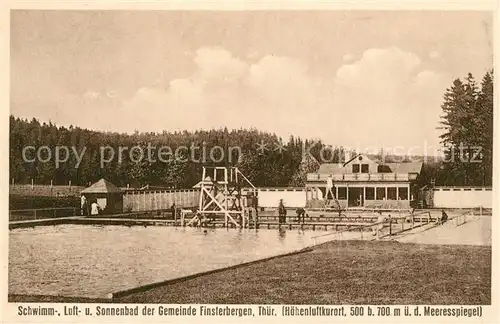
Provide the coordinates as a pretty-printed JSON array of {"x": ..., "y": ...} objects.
[{"x": 475, "y": 231}]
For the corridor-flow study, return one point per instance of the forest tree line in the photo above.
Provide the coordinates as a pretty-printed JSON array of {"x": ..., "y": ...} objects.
[
  {"x": 271, "y": 168},
  {"x": 467, "y": 120}
]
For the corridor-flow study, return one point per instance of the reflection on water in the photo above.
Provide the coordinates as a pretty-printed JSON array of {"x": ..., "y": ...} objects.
[
  {"x": 92, "y": 261},
  {"x": 282, "y": 233}
]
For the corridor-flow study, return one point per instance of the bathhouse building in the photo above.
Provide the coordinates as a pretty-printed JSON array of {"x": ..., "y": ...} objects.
[{"x": 364, "y": 182}]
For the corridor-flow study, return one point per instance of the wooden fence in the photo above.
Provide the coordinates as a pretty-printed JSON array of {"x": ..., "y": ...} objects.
[
  {"x": 45, "y": 190},
  {"x": 160, "y": 199}
]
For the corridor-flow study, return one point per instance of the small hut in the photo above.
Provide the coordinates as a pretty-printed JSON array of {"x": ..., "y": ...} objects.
[{"x": 108, "y": 196}]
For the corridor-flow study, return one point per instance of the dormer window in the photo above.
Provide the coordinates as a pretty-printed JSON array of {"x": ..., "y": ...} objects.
[
  {"x": 364, "y": 168},
  {"x": 355, "y": 168}
]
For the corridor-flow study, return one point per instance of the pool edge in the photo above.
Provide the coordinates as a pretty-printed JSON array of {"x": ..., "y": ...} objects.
[{"x": 130, "y": 291}]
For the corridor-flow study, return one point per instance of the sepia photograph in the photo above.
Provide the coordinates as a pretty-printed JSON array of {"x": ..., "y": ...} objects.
[{"x": 315, "y": 158}]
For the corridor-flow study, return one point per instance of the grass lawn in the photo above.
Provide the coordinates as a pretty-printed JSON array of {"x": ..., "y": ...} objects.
[{"x": 343, "y": 272}]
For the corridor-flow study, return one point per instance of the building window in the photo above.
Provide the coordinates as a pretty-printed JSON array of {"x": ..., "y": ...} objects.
[
  {"x": 364, "y": 168},
  {"x": 403, "y": 193},
  {"x": 342, "y": 193},
  {"x": 380, "y": 193},
  {"x": 391, "y": 193},
  {"x": 355, "y": 168},
  {"x": 369, "y": 193}
]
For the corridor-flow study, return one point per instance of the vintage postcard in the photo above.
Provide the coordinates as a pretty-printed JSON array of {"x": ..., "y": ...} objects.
[{"x": 218, "y": 163}]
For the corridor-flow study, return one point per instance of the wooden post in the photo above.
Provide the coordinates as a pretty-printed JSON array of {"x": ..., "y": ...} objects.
[
  {"x": 390, "y": 225},
  {"x": 51, "y": 184},
  {"x": 32, "y": 183},
  {"x": 347, "y": 194},
  {"x": 34, "y": 212},
  {"x": 481, "y": 210},
  {"x": 226, "y": 207},
  {"x": 409, "y": 196}
]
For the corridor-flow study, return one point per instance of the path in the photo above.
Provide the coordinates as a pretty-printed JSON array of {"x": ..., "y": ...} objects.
[{"x": 476, "y": 231}]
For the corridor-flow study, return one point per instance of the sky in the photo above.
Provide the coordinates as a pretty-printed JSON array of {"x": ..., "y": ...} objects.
[{"x": 361, "y": 79}]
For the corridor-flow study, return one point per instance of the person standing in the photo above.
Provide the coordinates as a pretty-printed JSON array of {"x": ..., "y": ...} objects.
[
  {"x": 173, "y": 209},
  {"x": 377, "y": 229},
  {"x": 255, "y": 202},
  {"x": 94, "y": 208},
  {"x": 83, "y": 205},
  {"x": 281, "y": 212},
  {"x": 301, "y": 212},
  {"x": 443, "y": 219}
]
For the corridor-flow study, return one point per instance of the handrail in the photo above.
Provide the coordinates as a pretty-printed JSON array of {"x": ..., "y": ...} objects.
[
  {"x": 348, "y": 229},
  {"x": 411, "y": 215},
  {"x": 37, "y": 209},
  {"x": 363, "y": 226}
]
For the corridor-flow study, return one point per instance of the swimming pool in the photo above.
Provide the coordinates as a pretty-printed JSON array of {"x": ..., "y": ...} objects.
[{"x": 93, "y": 261}]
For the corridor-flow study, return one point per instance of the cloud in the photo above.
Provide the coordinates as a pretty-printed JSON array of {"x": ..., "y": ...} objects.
[
  {"x": 227, "y": 91},
  {"x": 378, "y": 68},
  {"x": 216, "y": 62},
  {"x": 348, "y": 58},
  {"x": 112, "y": 94},
  {"x": 91, "y": 95},
  {"x": 434, "y": 55},
  {"x": 378, "y": 98},
  {"x": 384, "y": 95}
]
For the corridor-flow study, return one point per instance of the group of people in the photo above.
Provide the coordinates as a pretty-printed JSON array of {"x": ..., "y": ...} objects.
[
  {"x": 301, "y": 213},
  {"x": 89, "y": 208}
]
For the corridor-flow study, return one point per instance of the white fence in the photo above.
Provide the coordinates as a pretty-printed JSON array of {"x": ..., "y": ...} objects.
[
  {"x": 270, "y": 197},
  {"x": 462, "y": 197}
]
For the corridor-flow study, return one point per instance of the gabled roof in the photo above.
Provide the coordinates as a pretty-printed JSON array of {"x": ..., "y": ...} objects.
[
  {"x": 198, "y": 185},
  {"x": 102, "y": 186},
  {"x": 365, "y": 158}
]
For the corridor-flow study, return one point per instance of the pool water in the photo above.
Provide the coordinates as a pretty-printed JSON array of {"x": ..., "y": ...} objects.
[{"x": 93, "y": 261}]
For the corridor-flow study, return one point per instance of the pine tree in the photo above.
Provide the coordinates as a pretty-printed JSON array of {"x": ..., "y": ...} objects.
[
  {"x": 467, "y": 121},
  {"x": 485, "y": 126},
  {"x": 308, "y": 164}
]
